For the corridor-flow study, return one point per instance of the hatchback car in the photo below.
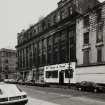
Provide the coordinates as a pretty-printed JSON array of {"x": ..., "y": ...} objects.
[
  {"x": 10, "y": 94},
  {"x": 90, "y": 86}
]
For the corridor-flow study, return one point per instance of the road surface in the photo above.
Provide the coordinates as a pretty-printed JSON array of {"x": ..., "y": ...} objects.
[{"x": 40, "y": 96}]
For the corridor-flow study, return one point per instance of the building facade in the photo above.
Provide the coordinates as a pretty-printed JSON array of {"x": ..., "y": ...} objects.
[
  {"x": 57, "y": 42},
  {"x": 91, "y": 45},
  {"x": 8, "y": 64}
]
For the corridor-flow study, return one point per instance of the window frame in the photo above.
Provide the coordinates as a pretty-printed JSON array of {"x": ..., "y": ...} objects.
[
  {"x": 99, "y": 54},
  {"x": 86, "y": 38}
]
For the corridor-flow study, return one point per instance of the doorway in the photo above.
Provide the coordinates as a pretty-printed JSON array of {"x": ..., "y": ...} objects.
[{"x": 61, "y": 77}]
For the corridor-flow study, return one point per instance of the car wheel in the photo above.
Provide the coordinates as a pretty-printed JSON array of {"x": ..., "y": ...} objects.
[
  {"x": 80, "y": 89},
  {"x": 95, "y": 90}
]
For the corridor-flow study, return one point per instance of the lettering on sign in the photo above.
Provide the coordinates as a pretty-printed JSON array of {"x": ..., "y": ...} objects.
[{"x": 56, "y": 67}]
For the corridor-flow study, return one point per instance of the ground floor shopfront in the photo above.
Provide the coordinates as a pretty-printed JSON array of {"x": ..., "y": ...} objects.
[
  {"x": 60, "y": 74},
  {"x": 35, "y": 74}
]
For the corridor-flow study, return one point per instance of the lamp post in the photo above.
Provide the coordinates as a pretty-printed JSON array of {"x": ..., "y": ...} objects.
[{"x": 69, "y": 62}]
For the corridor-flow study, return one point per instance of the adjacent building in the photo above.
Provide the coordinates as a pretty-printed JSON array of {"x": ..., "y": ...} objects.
[
  {"x": 90, "y": 45},
  {"x": 8, "y": 63},
  {"x": 71, "y": 37}
]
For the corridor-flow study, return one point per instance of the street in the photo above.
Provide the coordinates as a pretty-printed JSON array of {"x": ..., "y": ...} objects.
[{"x": 61, "y": 96}]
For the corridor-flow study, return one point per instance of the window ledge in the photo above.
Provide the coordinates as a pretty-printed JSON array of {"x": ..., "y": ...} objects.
[
  {"x": 99, "y": 44},
  {"x": 86, "y": 29},
  {"x": 86, "y": 46}
]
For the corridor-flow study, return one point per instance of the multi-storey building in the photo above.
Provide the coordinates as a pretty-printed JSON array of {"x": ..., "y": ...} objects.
[
  {"x": 91, "y": 45},
  {"x": 47, "y": 48},
  {"x": 8, "y": 63}
]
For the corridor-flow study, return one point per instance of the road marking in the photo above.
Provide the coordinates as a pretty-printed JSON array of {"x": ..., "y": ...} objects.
[{"x": 34, "y": 101}]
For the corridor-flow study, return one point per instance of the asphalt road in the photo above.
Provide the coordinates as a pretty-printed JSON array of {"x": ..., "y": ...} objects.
[{"x": 60, "y": 96}]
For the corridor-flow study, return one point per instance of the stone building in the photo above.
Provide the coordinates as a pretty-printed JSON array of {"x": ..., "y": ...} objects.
[
  {"x": 91, "y": 45},
  {"x": 8, "y": 63},
  {"x": 56, "y": 40}
]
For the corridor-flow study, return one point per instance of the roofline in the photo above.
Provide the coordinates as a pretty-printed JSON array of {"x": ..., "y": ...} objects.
[
  {"x": 3, "y": 49},
  {"x": 94, "y": 8},
  {"x": 49, "y": 14}
]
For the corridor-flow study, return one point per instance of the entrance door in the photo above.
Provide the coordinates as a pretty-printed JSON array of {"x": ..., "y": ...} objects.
[{"x": 61, "y": 77}]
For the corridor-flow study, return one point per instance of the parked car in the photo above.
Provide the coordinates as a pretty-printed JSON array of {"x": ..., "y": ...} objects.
[
  {"x": 29, "y": 82},
  {"x": 90, "y": 86},
  {"x": 13, "y": 81},
  {"x": 10, "y": 94},
  {"x": 21, "y": 82}
]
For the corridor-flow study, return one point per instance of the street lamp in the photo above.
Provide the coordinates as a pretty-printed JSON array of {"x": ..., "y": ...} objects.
[
  {"x": 69, "y": 62},
  {"x": 70, "y": 69}
]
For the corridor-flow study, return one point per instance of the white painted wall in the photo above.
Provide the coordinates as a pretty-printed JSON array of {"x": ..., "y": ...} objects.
[{"x": 94, "y": 73}]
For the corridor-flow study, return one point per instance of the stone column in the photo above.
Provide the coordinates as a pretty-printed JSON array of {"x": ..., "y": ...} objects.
[{"x": 25, "y": 57}]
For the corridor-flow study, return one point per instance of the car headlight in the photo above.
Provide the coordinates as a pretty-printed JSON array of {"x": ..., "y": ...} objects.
[{"x": 24, "y": 96}]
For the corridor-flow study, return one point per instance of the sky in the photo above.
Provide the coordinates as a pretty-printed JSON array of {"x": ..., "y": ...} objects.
[{"x": 16, "y": 15}]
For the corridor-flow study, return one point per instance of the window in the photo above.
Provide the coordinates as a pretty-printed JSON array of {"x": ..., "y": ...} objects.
[
  {"x": 49, "y": 41},
  {"x": 62, "y": 14},
  {"x": 6, "y": 61},
  {"x": 86, "y": 21},
  {"x": 58, "y": 17},
  {"x": 70, "y": 10},
  {"x": 99, "y": 55},
  {"x": 49, "y": 50},
  {"x": 30, "y": 62},
  {"x": 56, "y": 38},
  {"x": 6, "y": 68},
  {"x": 54, "y": 18},
  {"x": 52, "y": 74},
  {"x": 86, "y": 38},
  {"x": 35, "y": 29},
  {"x": 62, "y": 47},
  {"x": 72, "y": 40},
  {"x": 27, "y": 56},
  {"x": 39, "y": 60},
  {"x": 72, "y": 53},
  {"x": 62, "y": 55},
  {"x": 43, "y": 58},
  {"x": 49, "y": 57},
  {"x": 66, "y": 74},
  {"x": 30, "y": 34},
  {"x": 34, "y": 55},
  {"x": 99, "y": 33},
  {"x": 48, "y": 22},
  {"x": 7, "y": 54},
  {"x": 44, "y": 51},
  {"x": 98, "y": 15},
  {"x": 56, "y": 48},
  {"x": 86, "y": 57},
  {"x": 56, "y": 56},
  {"x": 55, "y": 74},
  {"x": 69, "y": 74}
]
